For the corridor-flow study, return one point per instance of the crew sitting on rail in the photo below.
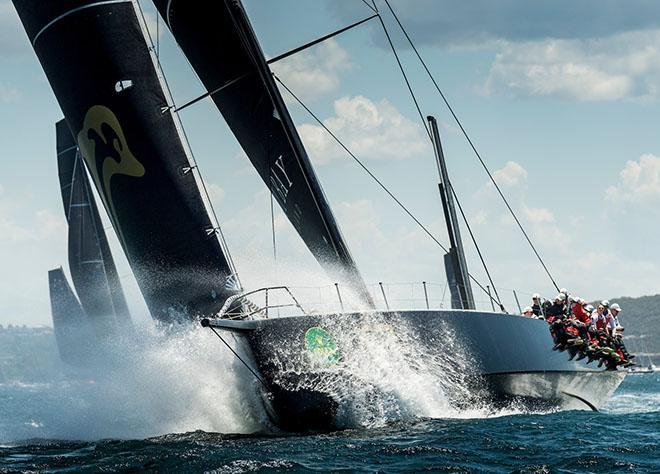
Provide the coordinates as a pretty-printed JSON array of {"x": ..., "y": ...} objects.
[
  {"x": 588, "y": 333},
  {"x": 556, "y": 310},
  {"x": 615, "y": 309},
  {"x": 578, "y": 309},
  {"x": 537, "y": 308}
]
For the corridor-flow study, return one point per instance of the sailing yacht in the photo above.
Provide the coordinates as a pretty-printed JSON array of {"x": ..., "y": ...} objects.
[
  {"x": 99, "y": 310},
  {"x": 106, "y": 78}
]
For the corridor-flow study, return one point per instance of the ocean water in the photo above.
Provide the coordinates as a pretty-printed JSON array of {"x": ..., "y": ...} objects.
[{"x": 171, "y": 402}]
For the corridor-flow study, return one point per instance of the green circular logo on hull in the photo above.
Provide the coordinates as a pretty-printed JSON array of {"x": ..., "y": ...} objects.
[{"x": 321, "y": 345}]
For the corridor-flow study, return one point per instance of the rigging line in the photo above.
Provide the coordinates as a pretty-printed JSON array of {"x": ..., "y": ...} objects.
[
  {"x": 271, "y": 61},
  {"x": 474, "y": 149},
  {"x": 369, "y": 6},
  {"x": 272, "y": 206},
  {"x": 476, "y": 245},
  {"x": 239, "y": 358},
  {"x": 158, "y": 35},
  {"x": 320, "y": 40},
  {"x": 185, "y": 142},
  {"x": 207, "y": 94},
  {"x": 272, "y": 225},
  {"x": 405, "y": 76},
  {"x": 373, "y": 176}
]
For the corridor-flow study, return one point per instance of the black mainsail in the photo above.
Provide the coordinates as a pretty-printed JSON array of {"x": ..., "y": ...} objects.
[
  {"x": 219, "y": 41},
  {"x": 106, "y": 81},
  {"x": 70, "y": 324},
  {"x": 91, "y": 264}
]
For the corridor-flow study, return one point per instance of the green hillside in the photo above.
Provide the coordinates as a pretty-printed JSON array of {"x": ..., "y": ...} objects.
[{"x": 641, "y": 316}]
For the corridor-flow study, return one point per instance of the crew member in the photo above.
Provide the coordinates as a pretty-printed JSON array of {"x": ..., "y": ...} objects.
[{"x": 536, "y": 304}]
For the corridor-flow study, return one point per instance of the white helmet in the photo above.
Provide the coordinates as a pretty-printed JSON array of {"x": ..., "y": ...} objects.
[
  {"x": 616, "y": 307},
  {"x": 528, "y": 309},
  {"x": 605, "y": 303},
  {"x": 589, "y": 308},
  {"x": 563, "y": 290},
  {"x": 536, "y": 296},
  {"x": 561, "y": 297}
]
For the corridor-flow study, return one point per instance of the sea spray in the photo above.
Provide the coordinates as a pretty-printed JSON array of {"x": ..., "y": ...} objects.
[
  {"x": 383, "y": 372},
  {"x": 150, "y": 382}
]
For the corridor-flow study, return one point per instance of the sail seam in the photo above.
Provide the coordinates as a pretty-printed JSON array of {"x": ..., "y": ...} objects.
[{"x": 75, "y": 10}]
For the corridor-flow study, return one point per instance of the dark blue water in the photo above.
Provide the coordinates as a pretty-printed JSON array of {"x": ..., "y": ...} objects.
[{"x": 624, "y": 437}]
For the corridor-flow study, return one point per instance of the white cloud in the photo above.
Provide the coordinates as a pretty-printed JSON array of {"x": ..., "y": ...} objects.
[
  {"x": 315, "y": 72},
  {"x": 639, "y": 182},
  {"x": 539, "y": 215},
  {"x": 372, "y": 130},
  {"x": 9, "y": 94},
  {"x": 40, "y": 226},
  {"x": 539, "y": 221},
  {"x": 513, "y": 174},
  {"x": 623, "y": 66},
  {"x": 216, "y": 192}
]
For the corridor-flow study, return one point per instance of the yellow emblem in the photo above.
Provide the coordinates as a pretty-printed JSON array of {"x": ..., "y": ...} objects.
[{"x": 103, "y": 145}]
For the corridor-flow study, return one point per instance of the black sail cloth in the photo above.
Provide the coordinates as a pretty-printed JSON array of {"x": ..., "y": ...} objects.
[
  {"x": 99, "y": 66},
  {"x": 92, "y": 267},
  {"x": 219, "y": 41},
  {"x": 72, "y": 330}
]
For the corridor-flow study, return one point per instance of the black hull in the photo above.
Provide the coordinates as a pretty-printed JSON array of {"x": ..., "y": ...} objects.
[{"x": 489, "y": 358}]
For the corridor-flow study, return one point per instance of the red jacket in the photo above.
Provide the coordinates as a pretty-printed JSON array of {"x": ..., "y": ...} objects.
[{"x": 581, "y": 314}]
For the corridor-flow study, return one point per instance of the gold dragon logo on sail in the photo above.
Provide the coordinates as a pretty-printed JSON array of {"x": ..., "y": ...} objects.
[{"x": 103, "y": 145}]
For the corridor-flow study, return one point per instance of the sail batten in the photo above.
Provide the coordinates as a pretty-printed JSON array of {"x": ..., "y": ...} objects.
[
  {"x": 133, "y": 151},
  {"x": 221, "y": 45}
]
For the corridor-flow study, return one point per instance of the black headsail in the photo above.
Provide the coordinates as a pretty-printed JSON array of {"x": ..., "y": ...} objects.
[
  {"x": 221, "y": 45},
  {"x": 90, "y": 261},
  {"x": 105, "y": 79},
  {"x": 70, "y": 324}
]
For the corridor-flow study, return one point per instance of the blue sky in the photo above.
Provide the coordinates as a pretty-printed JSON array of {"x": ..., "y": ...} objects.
[{"x": 561, "y": 98}]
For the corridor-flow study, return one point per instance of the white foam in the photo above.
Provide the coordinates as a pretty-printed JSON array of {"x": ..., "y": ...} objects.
[{"x": 154, "y": 382}]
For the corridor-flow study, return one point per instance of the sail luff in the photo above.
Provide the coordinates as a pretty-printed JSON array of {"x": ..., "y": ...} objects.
[
  {"x": 171, "y": 110},
  {"x": 220, "y": 44},
  {"x": 96, "y": 58}
]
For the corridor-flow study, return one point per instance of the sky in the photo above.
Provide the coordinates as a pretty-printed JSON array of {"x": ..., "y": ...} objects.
[{"x": 561, "y": 98}]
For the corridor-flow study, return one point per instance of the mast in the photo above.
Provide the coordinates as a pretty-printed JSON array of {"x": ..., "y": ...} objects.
[
  {"x": 91, "y": 264},
  {"x": 220, "y": 44},
  {"x": 104, "y": 76},
  {"x": 458, "y": 277}
]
